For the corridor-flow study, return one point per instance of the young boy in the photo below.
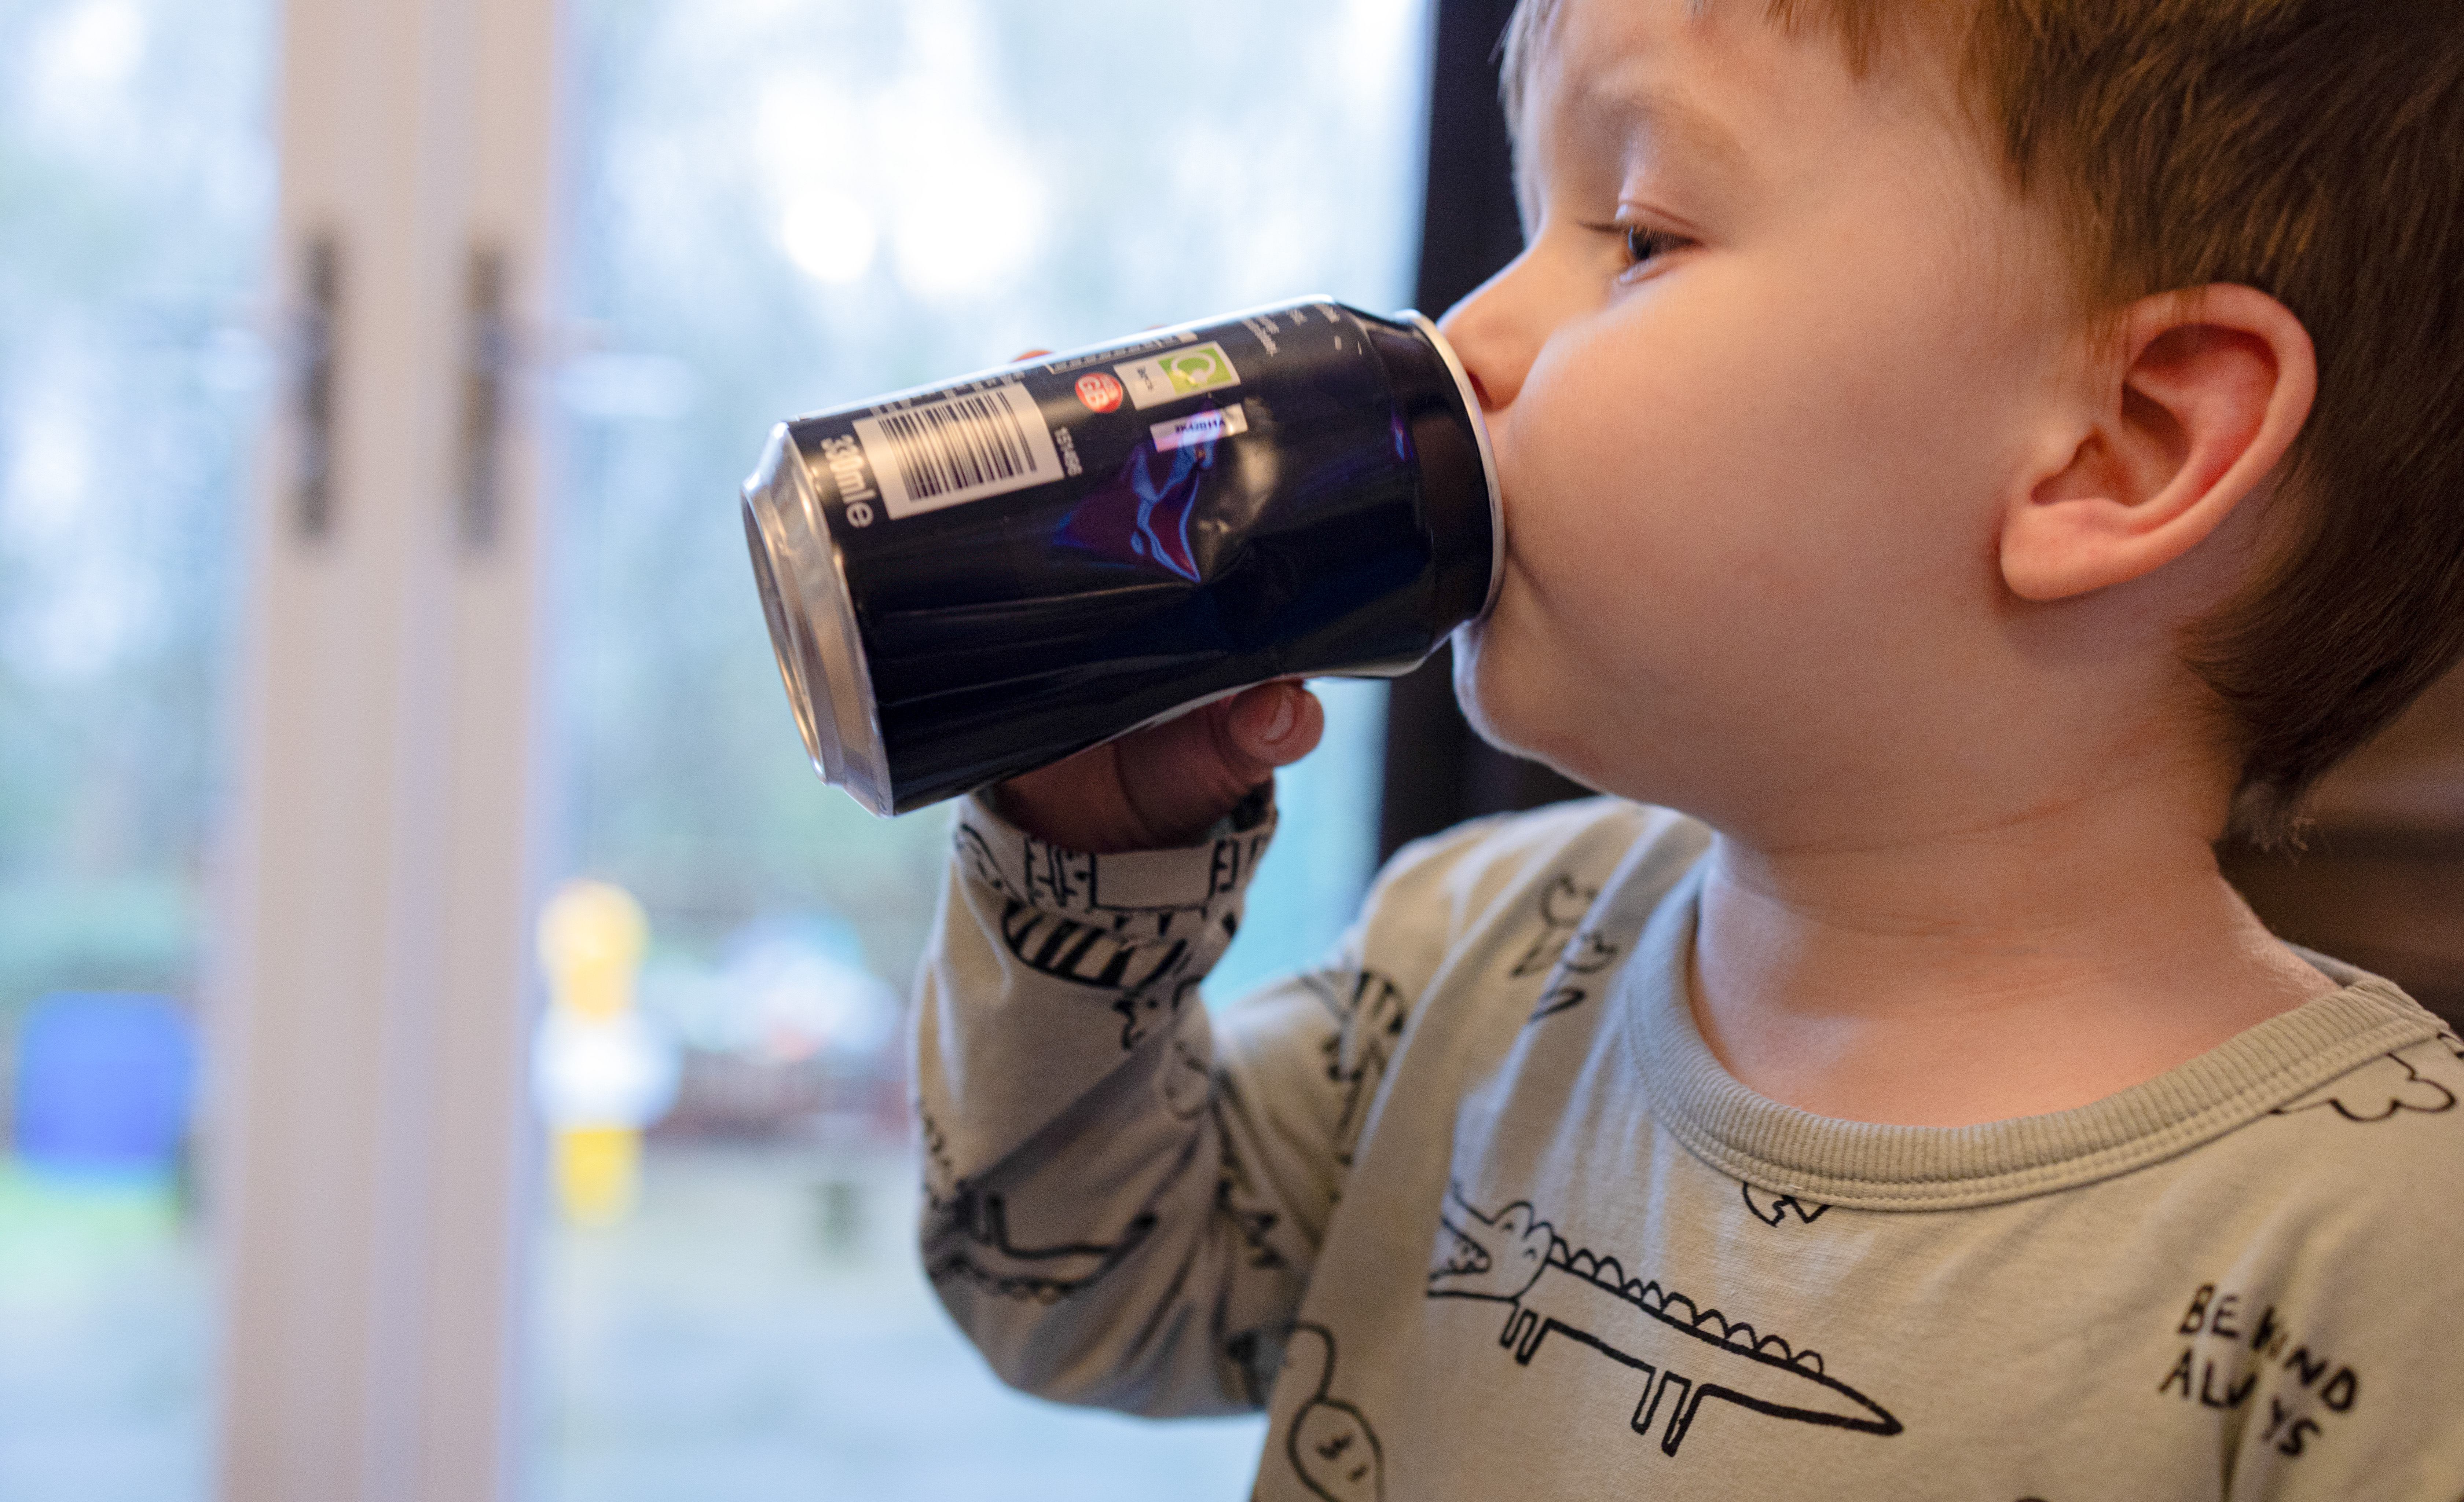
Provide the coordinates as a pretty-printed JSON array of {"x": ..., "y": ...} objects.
[{"x": 1951, "y": 452}]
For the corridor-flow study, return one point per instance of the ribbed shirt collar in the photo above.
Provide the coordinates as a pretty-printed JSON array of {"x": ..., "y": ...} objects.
[{"x": 1862, "y": 1165}]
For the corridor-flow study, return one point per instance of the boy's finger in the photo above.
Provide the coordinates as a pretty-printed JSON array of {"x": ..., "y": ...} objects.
[
  {"x": 1275, "y": 725},
  {"x": 1165, "y": 784},
  {"x": 1181, "y": 776}
]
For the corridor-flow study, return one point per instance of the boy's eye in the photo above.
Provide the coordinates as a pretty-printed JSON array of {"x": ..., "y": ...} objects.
[{"x": 1644, "y": 244}]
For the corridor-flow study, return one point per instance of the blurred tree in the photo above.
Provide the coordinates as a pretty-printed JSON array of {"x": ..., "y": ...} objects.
[{"x": 135, "y": 197}]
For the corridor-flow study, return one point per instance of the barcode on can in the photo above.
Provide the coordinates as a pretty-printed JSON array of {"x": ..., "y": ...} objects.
[{"x": 965, "y": 447}]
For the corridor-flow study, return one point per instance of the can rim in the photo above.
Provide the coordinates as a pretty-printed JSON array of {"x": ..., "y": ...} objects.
[
  {"x": 1488, "y": 456},
  {"x": 802, "y": 574}
]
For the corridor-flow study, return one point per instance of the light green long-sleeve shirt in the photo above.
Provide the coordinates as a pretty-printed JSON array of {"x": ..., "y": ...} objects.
[{"x": 1473, "y": 1212}]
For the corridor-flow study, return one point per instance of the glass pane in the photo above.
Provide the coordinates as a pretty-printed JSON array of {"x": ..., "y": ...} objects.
[
  {"x": 780, "y": 208},
  {"x": 135, "y": 200}
]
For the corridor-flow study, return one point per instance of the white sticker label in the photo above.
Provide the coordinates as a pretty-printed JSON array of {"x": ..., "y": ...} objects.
[
  {"x": 1186, "y": 372},
  {"x": 966, "y": 448},
  {"x": 1216, "y": 422}
]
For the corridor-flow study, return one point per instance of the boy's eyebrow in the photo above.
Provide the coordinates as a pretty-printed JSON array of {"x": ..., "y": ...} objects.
[{"x": 1669, "y": 115}]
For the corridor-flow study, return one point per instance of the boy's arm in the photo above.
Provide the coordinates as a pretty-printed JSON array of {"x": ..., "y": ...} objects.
[
  {"x": 1084, "y": 1166},
  {"x": 1123, "y": 1196}
]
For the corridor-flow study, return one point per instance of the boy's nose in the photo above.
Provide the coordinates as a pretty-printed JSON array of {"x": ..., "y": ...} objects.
[{"x": 1494, "y": 341}]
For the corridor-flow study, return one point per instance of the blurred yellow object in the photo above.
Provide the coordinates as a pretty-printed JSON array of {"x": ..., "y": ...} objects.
[
  {"x": 601, "y": 1074},
  {"x": 598, "y": 1173},
  {"x": 591, "y": 937}
]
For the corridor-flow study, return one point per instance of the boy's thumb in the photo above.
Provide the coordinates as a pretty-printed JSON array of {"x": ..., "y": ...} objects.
[
  {"x": 1275, "y": 725},
  {"x": 1183, "y": 775}
]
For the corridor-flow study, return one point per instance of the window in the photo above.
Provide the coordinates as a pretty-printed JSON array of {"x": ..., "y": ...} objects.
[
  {"x": 786, "y": 208},
  {"x": 135, "y": 204},
  {"x": 491, "y": 627}
]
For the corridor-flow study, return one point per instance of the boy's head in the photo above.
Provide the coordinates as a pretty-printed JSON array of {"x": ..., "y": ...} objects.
[{"x": 2066, "y": 389}]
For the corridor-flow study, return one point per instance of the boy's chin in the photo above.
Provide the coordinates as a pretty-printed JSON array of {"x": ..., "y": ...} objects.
[
  {"x": 1528, "y": 712},
  {"x": 1468, "y": 656},
  {"x": 1487, "y": 700}
]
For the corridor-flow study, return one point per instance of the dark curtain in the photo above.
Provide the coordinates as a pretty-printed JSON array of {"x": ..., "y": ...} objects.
[{"x": 1437, "y": 772}]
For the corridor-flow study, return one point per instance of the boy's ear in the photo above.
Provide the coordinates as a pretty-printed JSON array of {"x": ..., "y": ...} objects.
[{"x": 2213, "y": 387}]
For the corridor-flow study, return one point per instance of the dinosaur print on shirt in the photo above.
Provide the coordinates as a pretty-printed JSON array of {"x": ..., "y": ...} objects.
[
  {"x": 968, "y": 1236},
  {"x": 1684, "y": 1356}
]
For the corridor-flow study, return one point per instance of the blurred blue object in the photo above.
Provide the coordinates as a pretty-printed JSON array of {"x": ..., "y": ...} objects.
[{"x": 105, "y": 1080}]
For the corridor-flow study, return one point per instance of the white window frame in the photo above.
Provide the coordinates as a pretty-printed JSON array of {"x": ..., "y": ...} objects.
[{"x": 373, "y": 1143}]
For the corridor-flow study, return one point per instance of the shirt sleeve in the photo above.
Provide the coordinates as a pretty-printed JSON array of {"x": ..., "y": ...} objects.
[{"x": 1123, "y": 1194}]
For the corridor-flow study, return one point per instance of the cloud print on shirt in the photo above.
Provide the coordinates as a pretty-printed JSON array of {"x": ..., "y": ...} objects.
[{"x": 2376, "y": 1091}]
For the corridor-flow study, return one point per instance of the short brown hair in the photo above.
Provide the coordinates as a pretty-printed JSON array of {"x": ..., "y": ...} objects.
[{"x": 2313, "y": 149}]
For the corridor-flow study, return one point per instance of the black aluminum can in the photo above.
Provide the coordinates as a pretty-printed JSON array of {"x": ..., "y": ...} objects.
[{"x": 970, "y": 581}]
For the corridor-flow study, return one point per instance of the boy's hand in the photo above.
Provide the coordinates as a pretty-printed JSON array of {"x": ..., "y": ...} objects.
[{"x": 1167, "y": 784}]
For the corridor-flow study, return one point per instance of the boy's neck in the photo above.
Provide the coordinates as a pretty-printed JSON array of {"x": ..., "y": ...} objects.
[{"x": 1944, "y": 979}]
